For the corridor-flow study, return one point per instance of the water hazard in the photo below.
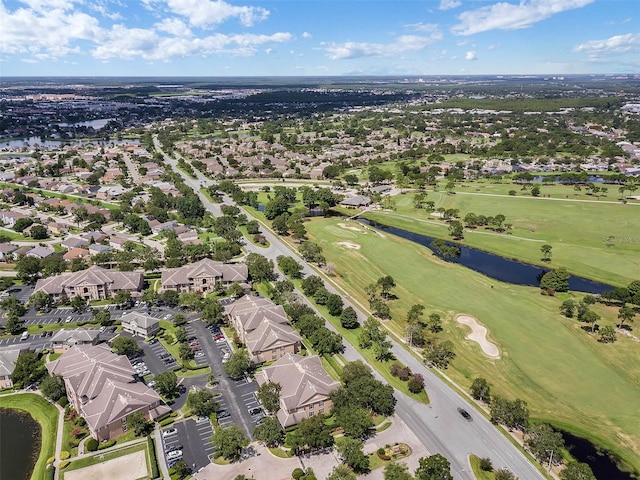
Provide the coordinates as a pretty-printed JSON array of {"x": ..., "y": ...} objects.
[
  {"x": 495, "y": 266},
  {"x": 20, "y": 439}
]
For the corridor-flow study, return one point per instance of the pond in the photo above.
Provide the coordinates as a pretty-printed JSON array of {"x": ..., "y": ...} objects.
[
  {"x": 20, "y": 439},
  {"x": 495, "y": 266},
  {"x": 29, "y": 142},
  {"x": 602, "y": 463}
]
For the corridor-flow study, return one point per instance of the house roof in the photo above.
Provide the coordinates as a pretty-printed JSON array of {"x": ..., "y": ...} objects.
[
  {"x": 269, "y": 335},
  {"x": 251, "y": 311},
  {"x": 41, "y": 252},
  {"x": 356, "y": 201},
  {"x": 8, "y": 359},
  {"x": 205, "y": 268},
  {"x": 76, "y": 253},
  {"x": 94, "y": 275},
  {"x": 141, "y": 319},
  {"x": 75, "y": 336},
  {"x": 301, "y": 379}
]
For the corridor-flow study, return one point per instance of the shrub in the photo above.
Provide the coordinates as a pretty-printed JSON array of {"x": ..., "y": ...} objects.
[
  {"x": 63, "y": 402},
  {"x": 91, "y": 445},
  {"x": 297, "y": 473},
  {"x": 50, "y": 460},
  {"x": 486, "y": 465},
  {"x": 50, "y": 472},
  {"x": 64, "y": 455},
  {"x": 64, "y": 464},
  {"x": 80, "y": 421},
  {"x": 416, "y": 383},
  {"x": 108, "y": 444}
]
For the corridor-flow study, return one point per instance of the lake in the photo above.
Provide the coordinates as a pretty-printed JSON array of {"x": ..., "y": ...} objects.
[
  {"x": 495, "y": 266},
  {"x": 20, "y": 440}
]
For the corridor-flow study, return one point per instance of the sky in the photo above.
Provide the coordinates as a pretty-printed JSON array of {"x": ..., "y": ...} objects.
[{"x": 316, "y": 38}]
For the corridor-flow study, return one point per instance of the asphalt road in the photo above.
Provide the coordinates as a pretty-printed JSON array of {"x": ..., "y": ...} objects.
[{"x": 438, "y": 425}]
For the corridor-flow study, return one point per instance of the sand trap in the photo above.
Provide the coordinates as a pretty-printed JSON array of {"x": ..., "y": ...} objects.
[
  {"x": 128, "y": 467},
  {"x": 354, "y": 246},
  {"x": 351, "y": 227},
  {"x": 437, "y": 214},
  {"x": 479, "y": 335}
]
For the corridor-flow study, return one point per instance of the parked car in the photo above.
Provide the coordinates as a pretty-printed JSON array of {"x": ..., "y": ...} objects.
[
  {"x": 199, "y": 354},
  {"x": 255, "y": 411},
  {"x": 222, "y": 414},
  {"x": 174, "y": 454},
  {"x": 169, "y": 431}
]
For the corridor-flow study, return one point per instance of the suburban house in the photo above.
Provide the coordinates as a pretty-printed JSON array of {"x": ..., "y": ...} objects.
[
  {"x": 141, "y": 324},
  {"x": 64, "y": 339},
  {"x": 94, "y": 283},
  {"x": 6, "y": 249},
  {"x": 102, "y": 387},
  {"x": 40, "y": 252},
  {"x": 202, "y": 276},
  {"x": 305, "y": 387},
  {"x": 8, "y": 359},
  {"x": 264, "y": 328}
]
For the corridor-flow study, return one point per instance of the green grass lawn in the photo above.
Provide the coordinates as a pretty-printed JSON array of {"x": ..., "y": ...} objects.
[
  {"x": 46, "y": 415},
  {"x": 576, "y": 231},
  {"x": 560, "y": 370}
]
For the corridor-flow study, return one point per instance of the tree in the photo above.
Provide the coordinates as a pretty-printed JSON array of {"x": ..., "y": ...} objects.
[
  {"x": 29, "y": 369},
  {"x": 139, "y": 424},
  {"x": 416, "y": 383},
  {"x": 334, "y": 304},
  {"x": 456, "y": 230},
  {"x": 185, "y": 352},
  {"x": 28, "y": 269},
  {"x": 238, "y": 364},
  {"x": 13, "y": 325},
  {"x": 625, "y": 314},
  {"x": 167, "y": 384},
  {"x": 439, "y": 354},
  {"x": 230, "y": 441},
  {"x": 39, "y": 232},
  {"x": 202, "y": 403},
  {"x": 40, "y": 300},
  {"x": 313, "y": 434},
  {"x": 607, "y": 334},
  {"x": 260, "y": 268},
  {"x": 103, "y": 317},
  {"x": 269, "y": 432},
  {"x": 568, "y": 308},
  {"x": 290, "y": 267},
  {"x": 355, "y": 421},
  {"x": 180, "y": 470},
  {"x": 311, "y": 252},
  {"x": 396, "y": 471},
  {"x": 546, "y": 252},
  {"x": 253, "y": 227},
  {"x": 577, "y": 471},
  {"x": 52, "y": 387},
  {"x": 311, "y": 284},
  {"x": 352, "y": 452},
  {"x": 513, "y": 414},
  {"x": 434, "y": 467},
  {"x": 269, "y": 396},
  {"x": 349, "y": 318},
  {"x": 122, "y": 296},
  {"x": 504, "y": 474},
  {"x": 125, "y": 346},
  {"x": 22, "y": 223},
  {"x": 341, "y": 472},
  {"x": 542, "y": 441},
  {"x": 435, "y": 323},
  {"x": 276, "y": 207},
  {"x": 415, "y": 313},
  {"x": 555, "y": 280},
  {"x": 535, "y": 190},
  {"x": 78, "y": 304},
  {"x": 53, "y": 265},
  {"x": 13, "y": 307},
  {"x": 480, "y": 390},
  {"x": 385, "y": 284},
  {"x": 212, "y": 311},
  {"x": 181, "y": 334}
]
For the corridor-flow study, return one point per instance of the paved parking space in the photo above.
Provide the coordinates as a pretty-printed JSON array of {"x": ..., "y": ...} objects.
[{"x": 194, "y": 439}]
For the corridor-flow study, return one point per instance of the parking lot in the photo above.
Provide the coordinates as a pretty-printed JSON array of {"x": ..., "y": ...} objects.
[{"x": 194, "y": 439}]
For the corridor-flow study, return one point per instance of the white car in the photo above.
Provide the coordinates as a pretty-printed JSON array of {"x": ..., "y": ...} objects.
[
  {"x": 175, "y": 454},
  {"x": 199, "y": 354},
  {"x": 168, "y": 432}
]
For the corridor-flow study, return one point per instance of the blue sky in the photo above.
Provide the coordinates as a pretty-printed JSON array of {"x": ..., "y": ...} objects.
[{"x": 308, "y": 37}]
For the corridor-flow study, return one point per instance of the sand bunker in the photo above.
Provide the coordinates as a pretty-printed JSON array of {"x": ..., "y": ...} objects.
[
  {"x": 479, "y": 335},
  {"x": 437, "y": 214},
  {"x": 128, "y": 467},
  {"x": 354, "y": 246},
  {"x": 351, "y": 227}
]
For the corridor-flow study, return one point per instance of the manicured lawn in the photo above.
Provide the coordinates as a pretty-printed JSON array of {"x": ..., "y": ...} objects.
[
  {"x": 576, "y": 230},
  {"x": 46, "y": 415},
  {"x": 477, "y": 471},
  {"x": 561, "y": 371}
]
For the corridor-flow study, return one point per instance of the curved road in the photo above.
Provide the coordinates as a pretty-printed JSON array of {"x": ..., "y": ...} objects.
[{"x": 438, "y": 425}]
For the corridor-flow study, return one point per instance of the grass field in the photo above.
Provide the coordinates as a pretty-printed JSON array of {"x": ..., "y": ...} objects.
[
  {"x": 576, "y": 230},
  {"x": 46, "y": 415},
  {"x": 563, "y": 373}
]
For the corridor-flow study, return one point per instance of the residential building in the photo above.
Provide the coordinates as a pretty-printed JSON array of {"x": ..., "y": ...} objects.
[
  {"x": 264, "y": 328},
  {"x": 6, "y": 249},
  {"x": 64, "y": 339},
  {"x": 202, "y": 276},
  {"x": 8, "y": 359},
  {"x": 40, "y": 252},
  {"x": 94, "y": 283},
  {"x": 356, "y": 201},
  {"x": 102, "y": 387},
  {"x": 305, "y": 387},
  {"x": 141, "y": 324}
]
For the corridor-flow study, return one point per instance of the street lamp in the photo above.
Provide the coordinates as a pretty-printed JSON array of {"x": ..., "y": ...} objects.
[{"x": 550, "y": 459}]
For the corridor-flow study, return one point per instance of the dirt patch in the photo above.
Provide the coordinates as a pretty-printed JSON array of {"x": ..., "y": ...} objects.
[
  {"x": 128, "y": 467},
  {"x": 437, "y": 214},
  {"x": 346, "y": 226},
  {"x": 353, "y": 246},
  {"x": 479, "y": 335}
]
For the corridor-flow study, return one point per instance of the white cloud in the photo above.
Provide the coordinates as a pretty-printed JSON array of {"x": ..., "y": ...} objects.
[
  {"x": 402, "y": 44},
  {"x": 449, "y": 4},
  {"x": 423, "y": 27},
  {"x": 306, "y": 35},
  {"x": 612, "y": 45},
  {"x": 509, "y": 16},
  {"x": 174, "y": 27},
  {"x": 206, "y": 13},
  {"x": 470, "y": 55}
]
